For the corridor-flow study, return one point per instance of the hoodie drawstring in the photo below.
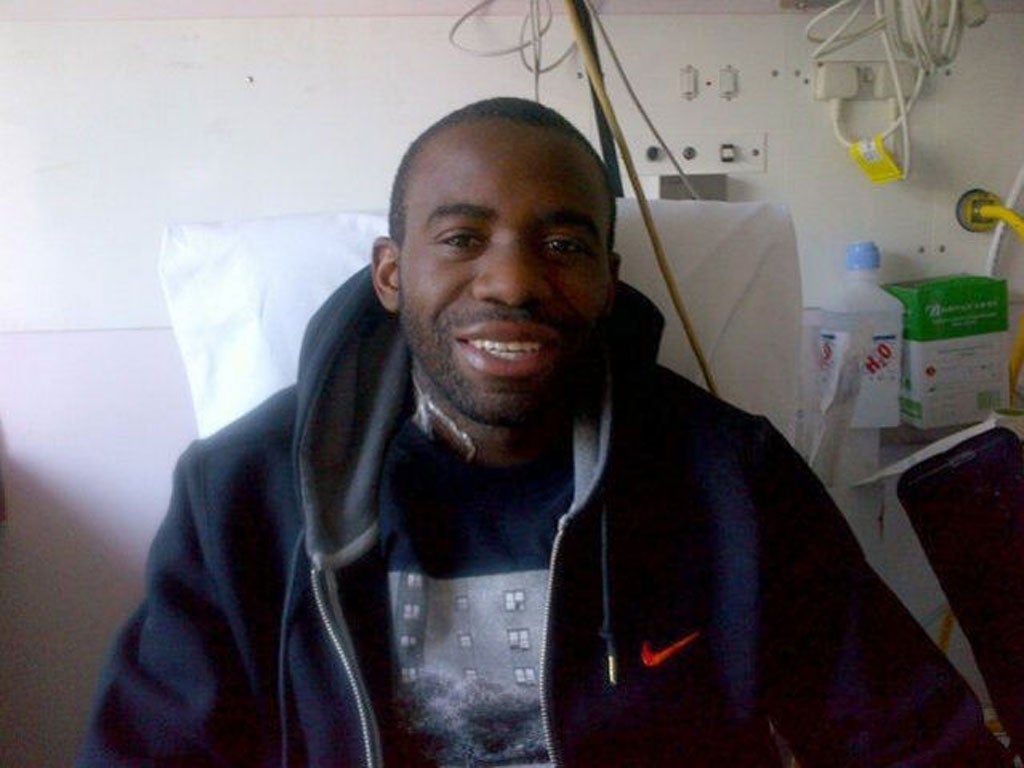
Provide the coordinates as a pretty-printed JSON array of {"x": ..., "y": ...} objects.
[{"x": 606, "y": 602}]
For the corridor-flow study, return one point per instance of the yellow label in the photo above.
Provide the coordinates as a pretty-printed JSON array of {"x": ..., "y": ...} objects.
[{"x": 874, "y": 159}]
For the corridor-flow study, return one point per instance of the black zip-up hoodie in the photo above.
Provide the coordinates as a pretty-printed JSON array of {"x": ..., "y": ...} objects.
[{"x": 704, "y": 589}]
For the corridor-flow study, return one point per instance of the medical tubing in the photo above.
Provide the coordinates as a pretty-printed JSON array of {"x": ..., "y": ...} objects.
[
  {"x": 946, "y": 630},
  {"x": 1016, "y": 360},
  {"x": 1002, "y": 213},
  {"x": 992, "y": 263},
  {"x": 598, "y": 89},
  {"x": 638, "y": 104},
  {"x": 1014, "y": 220},
  {"x": 584, "y": 35}
]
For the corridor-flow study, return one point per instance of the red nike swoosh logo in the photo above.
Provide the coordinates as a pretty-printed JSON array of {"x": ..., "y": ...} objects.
[{"x": 652, "y": 658}]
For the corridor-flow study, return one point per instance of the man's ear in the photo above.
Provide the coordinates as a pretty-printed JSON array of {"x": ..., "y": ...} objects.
[{"x": 385, "y": 272}]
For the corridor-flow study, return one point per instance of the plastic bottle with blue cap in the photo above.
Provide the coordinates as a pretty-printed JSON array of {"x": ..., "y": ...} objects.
[{"x": 862, "y": 313}]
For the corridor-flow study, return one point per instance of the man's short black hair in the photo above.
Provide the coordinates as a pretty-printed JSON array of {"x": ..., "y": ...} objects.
[{"x": 514, "y": 110}]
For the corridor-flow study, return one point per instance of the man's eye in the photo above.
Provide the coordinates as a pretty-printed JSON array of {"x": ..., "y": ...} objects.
[
  {"x": 565, "y": 246},
  {"x": 461, "y": 241}
]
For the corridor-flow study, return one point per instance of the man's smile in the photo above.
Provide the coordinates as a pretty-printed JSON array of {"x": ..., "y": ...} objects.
[{"x": 509, "y": 349}]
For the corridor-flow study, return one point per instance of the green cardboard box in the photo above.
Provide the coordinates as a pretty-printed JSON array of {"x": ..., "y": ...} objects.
[{"x": 954, "y": 368}]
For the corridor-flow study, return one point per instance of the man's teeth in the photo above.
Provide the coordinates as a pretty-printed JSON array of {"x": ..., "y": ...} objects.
[{"x": 507, "y": 349}]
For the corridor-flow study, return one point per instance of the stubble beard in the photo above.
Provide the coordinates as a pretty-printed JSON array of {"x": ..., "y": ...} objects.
[{"x": 438, "y": 374}]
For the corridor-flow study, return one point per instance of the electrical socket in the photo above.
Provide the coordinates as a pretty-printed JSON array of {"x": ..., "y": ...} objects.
[
  {"x": 836, "y": 80},
  {"x": 883, "y": 84},
  {"x": 861, "y": 80}
]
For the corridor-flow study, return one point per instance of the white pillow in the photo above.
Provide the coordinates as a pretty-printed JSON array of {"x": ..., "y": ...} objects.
[
  {"x": 240, "y": 295},
  {"x": 737, "y": 270}
]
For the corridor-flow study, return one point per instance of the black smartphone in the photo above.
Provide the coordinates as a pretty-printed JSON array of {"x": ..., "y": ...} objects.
[{"x": 967, "y": 507}]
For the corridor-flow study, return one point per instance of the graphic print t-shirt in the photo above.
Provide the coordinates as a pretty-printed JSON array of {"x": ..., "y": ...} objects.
[{"x": 467, "y": 549}]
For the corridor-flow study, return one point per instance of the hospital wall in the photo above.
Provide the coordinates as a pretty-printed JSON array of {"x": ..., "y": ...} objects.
[{"x": 112, "y": 127}]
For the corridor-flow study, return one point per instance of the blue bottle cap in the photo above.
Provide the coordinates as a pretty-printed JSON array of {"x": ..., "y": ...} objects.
[{"x": 863, "y": 255}]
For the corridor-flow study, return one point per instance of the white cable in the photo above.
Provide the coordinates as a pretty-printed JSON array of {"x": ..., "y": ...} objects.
[
  {"x": 524, "y": 44},
  {"x": 570, "y": 49},
  {"x": 835, "y": 107},
  {"x": 901, "y": 105},
  {"x": 901, "y": 121},
  {"x": 837, "y": 40},
  {"x": 637, "y": 103},
  {"x": 918, "y": 83},
  {"x": 536, "y": 45},
  {"x": 474, "y": 51},
  {"x": 835, "y": 8},
  {"x": 1011, "y": 200},
  {"x": 951, "y": 37},
  {"x": 918, "y": 30},
  {"x": 538, "y": 24}
]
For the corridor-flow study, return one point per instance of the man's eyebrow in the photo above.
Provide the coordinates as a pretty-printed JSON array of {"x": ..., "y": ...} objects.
[
  {"x": 556, "y": 217},
  {"x": 462, "y": 209}
]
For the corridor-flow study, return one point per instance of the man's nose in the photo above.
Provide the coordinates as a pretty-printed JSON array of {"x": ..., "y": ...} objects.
[{"x": 510, "y": 274}]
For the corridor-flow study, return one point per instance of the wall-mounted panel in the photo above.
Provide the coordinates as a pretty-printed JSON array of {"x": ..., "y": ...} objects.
[{"x": 112, "y": 129}]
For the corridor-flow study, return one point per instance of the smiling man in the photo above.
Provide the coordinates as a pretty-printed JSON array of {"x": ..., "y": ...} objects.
[
  {"x": 499, "y": 276},
  {"x": 486, "y": 528}
]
